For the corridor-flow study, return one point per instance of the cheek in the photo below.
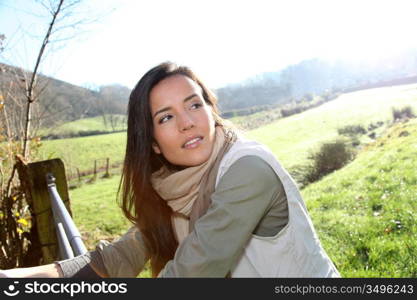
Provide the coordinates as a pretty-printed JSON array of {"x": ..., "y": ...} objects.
[
  {"x": 209, "y": 117},
  {"x": 212, "y": 123},
  {"x": 164, "y": 139},
  {"x": 157, "y": 136}
]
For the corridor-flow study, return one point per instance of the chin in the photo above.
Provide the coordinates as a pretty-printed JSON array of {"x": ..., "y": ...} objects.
[
  {"x": 195, "y": 162},
  {"x": 192, "y": 161}
]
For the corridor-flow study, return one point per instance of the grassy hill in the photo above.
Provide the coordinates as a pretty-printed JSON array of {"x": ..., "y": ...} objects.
[
  {"x": 87, "y": 126},
  {"x": 365, "y": 213},
  {"x": 292, "y": 138}
]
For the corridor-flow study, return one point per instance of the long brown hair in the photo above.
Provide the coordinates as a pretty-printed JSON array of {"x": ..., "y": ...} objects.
[{"x": 139, "y": 201}]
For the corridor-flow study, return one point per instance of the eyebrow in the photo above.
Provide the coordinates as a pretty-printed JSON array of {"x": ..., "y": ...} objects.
[{"x": 169, "y": 107}]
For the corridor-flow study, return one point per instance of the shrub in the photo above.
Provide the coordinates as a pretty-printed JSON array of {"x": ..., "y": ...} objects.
[
  {"x": 75, "y": 134},
  {"x": 373, "y": 125},
  {"x": 351, "y": 130},
  {"x": 400, "y": 113},
  {"x": 246, "y": 111},
  {"x": 300, "y": 173},
  {"x": 286, "y": 112},
  {"x": 330, "y": 157}
]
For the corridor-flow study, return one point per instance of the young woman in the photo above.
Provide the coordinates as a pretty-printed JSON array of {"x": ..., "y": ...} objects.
[{"x": 204, "y": 201}]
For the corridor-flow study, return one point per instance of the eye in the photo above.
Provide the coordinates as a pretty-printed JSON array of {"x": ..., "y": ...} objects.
[
  {"x": 164, "y": 119},
  {"x": 196, "y": 105}
]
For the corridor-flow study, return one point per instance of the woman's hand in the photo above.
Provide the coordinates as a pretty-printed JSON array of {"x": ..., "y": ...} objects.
[
  {"x": 3, "y": 274},
  {"x": 46, "y": 271}
]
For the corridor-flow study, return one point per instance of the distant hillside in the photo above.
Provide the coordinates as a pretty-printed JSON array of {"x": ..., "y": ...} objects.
[
  {"x": 302, "y": 82},
  {"x": 292, "y": 138},
  {"x": 318, "y": 77},
  {"x": 60, "y": 101}
]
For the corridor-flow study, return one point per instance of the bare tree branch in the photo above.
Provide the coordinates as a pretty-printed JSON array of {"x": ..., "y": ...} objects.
[
  {"x": 23, "y": 115},
  {"x": 33, "y": 79}
]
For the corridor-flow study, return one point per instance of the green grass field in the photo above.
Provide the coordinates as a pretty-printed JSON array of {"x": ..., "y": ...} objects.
[
  {"x": 82, "y": 151},
  {"x": 86, "y": 125},
  {"x": 364, "y": 213},
  {"x": 292, "y": 138},
  {"x": 95, "y": 211}
]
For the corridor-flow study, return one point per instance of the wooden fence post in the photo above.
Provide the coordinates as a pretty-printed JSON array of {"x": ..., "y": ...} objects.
[
  {"x": 79, "y": 176},
  {"x": 107, "y": 174},
  {"x": 33, "y": 178},
  {"x": 95, "y": 169}
]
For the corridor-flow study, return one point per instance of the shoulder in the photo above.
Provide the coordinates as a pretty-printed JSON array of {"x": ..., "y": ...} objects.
[
  {"x": 261, "y": 157},
  {"x": 251, "y": 165},
  {"x": 250, "y": 170},
  {"x": 244, "y": 147}
]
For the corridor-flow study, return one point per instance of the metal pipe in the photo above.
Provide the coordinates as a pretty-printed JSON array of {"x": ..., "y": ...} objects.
[
  {"x": 64, "y": 245},
  {"x": 62, "y": 215}
]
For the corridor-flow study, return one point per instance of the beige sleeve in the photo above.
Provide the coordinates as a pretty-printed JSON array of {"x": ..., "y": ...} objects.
[{"x": 124, "y": 257}]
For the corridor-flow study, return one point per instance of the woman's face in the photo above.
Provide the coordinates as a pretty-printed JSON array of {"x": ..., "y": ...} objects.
[{"x": 184, "y": 128}]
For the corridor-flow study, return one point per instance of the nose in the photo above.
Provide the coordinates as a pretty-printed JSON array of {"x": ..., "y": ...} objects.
[{"x": 185, "y": 122}]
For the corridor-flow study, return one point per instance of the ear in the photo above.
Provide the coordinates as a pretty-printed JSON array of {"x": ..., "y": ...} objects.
[{"x": 155, "y": 148}]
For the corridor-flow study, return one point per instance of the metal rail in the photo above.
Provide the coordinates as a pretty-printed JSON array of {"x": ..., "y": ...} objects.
[{"x": 69, "y": 238}]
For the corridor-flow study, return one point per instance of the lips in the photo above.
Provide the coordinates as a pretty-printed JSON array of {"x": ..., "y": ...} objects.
[{"x": 192, "y": 142}]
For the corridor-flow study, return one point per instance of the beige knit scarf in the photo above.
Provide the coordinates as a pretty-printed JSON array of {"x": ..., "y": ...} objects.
[{"x": 188, "y": 191}]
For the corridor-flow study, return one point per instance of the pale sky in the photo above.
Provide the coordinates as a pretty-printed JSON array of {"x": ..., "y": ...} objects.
[{"x": 224, "y": 41}]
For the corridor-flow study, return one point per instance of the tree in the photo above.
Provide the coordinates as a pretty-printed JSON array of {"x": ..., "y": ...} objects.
[{"x": 17, "y": 140}]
